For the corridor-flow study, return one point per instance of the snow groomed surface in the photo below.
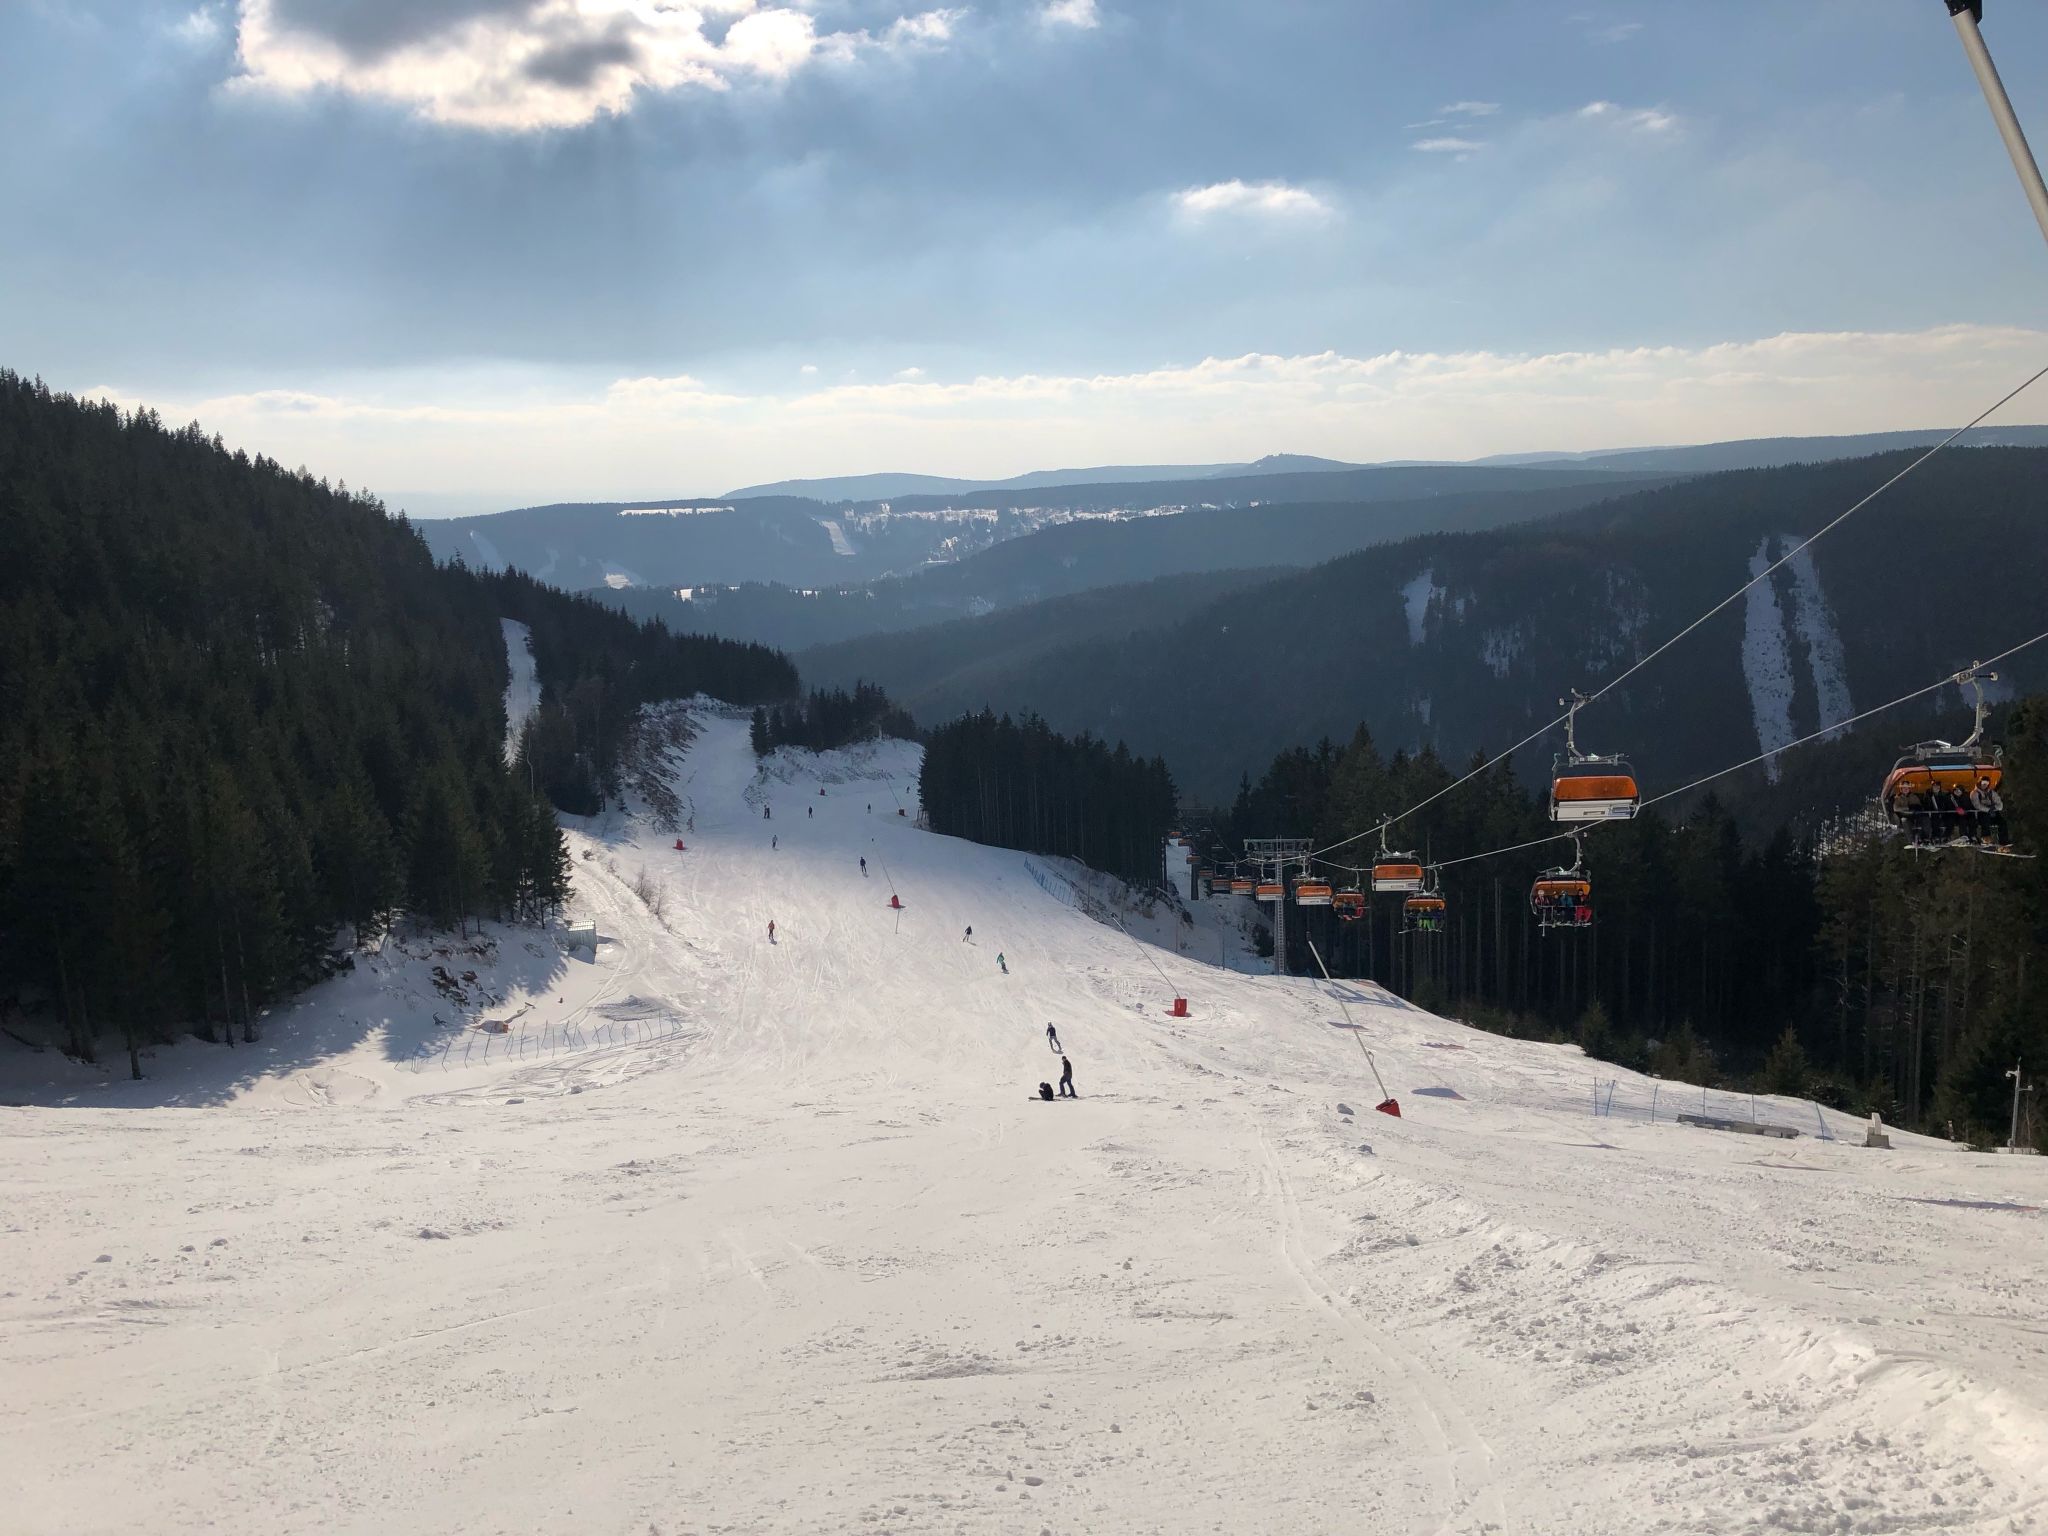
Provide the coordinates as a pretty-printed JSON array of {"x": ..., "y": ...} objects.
[{"x": 723, "y": 1234}]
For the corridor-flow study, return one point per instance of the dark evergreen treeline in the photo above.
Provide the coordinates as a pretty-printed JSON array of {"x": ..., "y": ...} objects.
[
  {"x": 597, "y": 668},
  {"x": 243, "y": 715},
  {"x": 1872, "y": 978},
  {"x": 1018, "y": 784},
  {"x": 829, "y": 718}
]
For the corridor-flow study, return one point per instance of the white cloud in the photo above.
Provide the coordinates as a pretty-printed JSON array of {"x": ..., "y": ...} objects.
[
  {"x": 200, "y": 29},
  {"x": 808, "y": 369},
  {"x": 529, "y": 64},
  {"x": 667, "y": 435},
  {"x": 1269, "y": 199},
  {"x": 1619, "y": 32},
  {"x": 1470, "y": 109},
  {"x": 909, "y": 373},
  {"x": 1070, "y": 13},
  {"x": 1650, "y": 120},
  {"x": 1447, "y": 146}
]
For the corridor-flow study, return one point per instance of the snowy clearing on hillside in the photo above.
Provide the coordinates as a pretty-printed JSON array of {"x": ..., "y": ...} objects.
[
  {"x": 1816, "y": 626},
  {"x": 841, "y": 544},
  {"x": 1766, "y": 662},
  {"x": 702, "y": 1230},
  {"x": 522, "y": 690},
  {"x": 1416, "y": 597}
]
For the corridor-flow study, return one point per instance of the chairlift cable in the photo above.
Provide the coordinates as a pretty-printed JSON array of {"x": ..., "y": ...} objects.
[
  {"x": 1789, "y": 555},
  {"x": 1840, "y": 725},
  {"x": 1750, "y": 762},
  {"x": 1615, "y": 682}
]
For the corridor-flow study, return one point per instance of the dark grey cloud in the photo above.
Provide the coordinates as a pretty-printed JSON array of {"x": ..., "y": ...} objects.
[
  {"x": 574, "y": 64},
  {"x": 370, "y": 30}
]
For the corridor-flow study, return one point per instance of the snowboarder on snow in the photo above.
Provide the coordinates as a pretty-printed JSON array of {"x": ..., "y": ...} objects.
[
  {"x": 968, "y": 936},
  {"x": 1004, "y": 964},
  {"x": 1067, "y": 1079},
  {"x": 863, "y": 868},
  {"x": 1052, "y": 1038}
]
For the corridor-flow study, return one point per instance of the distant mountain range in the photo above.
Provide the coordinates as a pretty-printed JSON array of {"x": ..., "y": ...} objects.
[
  {"x": 1774, "y": 452},
  {"x": 1464, "y": 641},
  {"x": 1090, "y": 552},
  {"x": 881, "y": 487},
  {"x": 806, "y": 544}
]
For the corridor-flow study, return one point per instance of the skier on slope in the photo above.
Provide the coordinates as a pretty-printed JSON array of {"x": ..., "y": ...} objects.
[
  {"x": 771, "y": 930},
  {"x": 1052, "y": 1038},
  {"x": 807, "y": 813},
  {"x": 766, "y": 814},
  {"x": 968, "y": 936},
  {"x": 863, "y": 867},
  {"x": 775, "y": 841},
  {"x": 1003, "y": 963},
  {"x": 1067, "y": 1079}
]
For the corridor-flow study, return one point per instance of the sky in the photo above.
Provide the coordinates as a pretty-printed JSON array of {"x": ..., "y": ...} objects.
[{"x": 484, "y": 253}]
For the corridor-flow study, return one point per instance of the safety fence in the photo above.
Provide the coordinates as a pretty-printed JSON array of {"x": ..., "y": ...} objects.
[
  {"x": 1655, "y": 1102},
  {"x": 1064, "y": 891},
  {"x": 483, "y": 1046}
]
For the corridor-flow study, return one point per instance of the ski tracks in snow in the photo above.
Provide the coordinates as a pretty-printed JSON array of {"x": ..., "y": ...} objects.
[{"x": 1460, "y": 1457}]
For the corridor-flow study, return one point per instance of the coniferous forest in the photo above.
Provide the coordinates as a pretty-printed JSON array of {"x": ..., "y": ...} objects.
[
  {"x": 1856, "y": 972},
  {"x": 829, "y": 718},
  {"x": 245, "y": 719},
  {"x": 1018, "y": 784}
]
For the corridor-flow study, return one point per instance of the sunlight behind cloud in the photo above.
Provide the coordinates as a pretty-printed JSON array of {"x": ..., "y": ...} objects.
[{"x": 521, "y": 65}]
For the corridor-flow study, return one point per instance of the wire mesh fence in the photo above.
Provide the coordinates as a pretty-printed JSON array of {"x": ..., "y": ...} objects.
[
  {"x": 1656, "y": 1102},
  {"x": 481, "y": 1045}
]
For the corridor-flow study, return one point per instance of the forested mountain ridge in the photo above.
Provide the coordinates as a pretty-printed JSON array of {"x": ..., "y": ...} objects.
[
  {"x": 1086, "y": 554},
  {"x": 1466, "y": 641},
  {"x": 243, "y": 713},
  {"x": 805, "y": 544}
]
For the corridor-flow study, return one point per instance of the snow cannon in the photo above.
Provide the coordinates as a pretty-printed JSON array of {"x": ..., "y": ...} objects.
[{"x": 1179, "y": 1010}]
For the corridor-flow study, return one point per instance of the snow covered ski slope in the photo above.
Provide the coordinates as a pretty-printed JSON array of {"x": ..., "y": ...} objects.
[{"x": 720, "y": 1234}]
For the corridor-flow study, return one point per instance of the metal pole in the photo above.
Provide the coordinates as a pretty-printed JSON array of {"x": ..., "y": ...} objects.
[
  {"x": 2013, "y": 1139},
  {"x": 1280, "y": 921},
  {"x": 1965, "y": 14}
]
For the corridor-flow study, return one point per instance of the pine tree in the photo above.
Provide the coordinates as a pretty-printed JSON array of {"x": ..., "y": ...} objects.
[{"x": 1786, "y": 1070}]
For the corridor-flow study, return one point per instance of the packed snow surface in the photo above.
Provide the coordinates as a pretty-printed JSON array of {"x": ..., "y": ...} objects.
[{"x": 725, "y": 1234}]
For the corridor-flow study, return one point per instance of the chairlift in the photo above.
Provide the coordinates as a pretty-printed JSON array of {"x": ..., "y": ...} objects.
[
  {"x": 1241, "y": 885},
  {"x": 1563, "y": 898},
  {"x": 1927, "y": 795},
  {"x": 1348, "y": 904},
  {"x": 1313, "y": 893},
  {"x": 1270, "y": 890},
  {"x": 1423, "y": 912},
  {"x": 1586, "y": 786},
  {"x": 1395, "y": 872}
]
